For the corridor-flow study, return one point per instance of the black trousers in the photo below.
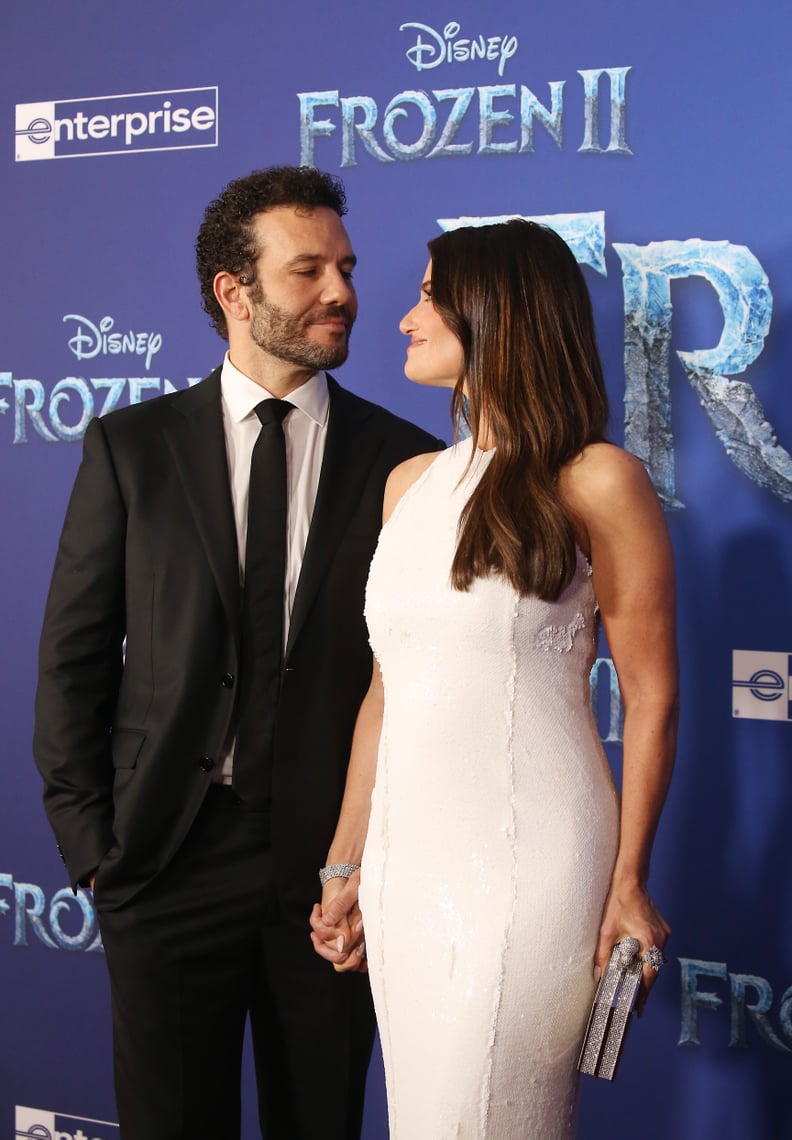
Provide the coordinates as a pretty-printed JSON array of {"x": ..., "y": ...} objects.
[{"x": 200, "y": 950}]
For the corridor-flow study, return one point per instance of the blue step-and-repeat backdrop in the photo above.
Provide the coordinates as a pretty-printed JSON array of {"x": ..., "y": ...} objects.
[{"x": 655, "y": 138}]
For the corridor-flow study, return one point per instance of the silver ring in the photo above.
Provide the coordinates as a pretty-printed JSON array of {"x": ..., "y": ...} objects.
[
  {"x": 654, "y": 958},
  {"x": 628, "y": 948}
]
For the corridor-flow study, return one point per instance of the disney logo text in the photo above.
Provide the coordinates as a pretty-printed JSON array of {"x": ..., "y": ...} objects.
[
  {"x": 440, "y": 48},
  {"x": 92, "y": 340}
]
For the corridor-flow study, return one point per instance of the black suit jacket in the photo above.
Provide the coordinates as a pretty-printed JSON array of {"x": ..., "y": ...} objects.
[{"x": 140, "y": 646}]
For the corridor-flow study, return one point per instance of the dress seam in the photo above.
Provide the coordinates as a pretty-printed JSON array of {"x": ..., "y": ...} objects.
[{"x": 511, "y": 686}]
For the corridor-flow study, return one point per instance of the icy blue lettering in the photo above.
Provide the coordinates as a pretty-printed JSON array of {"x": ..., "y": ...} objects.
[
  {"x": 365, "y": 129},
  {"x": 62, "y": 392},
  {"x": 738, "y": 417},
  {"x": 395, "y": 110},
  {"x": 694, "y": 999},
  {"x": 310, "y": 127},
  {"x": 785, "y": 1013},
  {"x": 62, "y": 902},
  {"x": 617, "y": 144},
  {"x": 615, "y": 733},
  {"x": 22, "y": 893},
  {"x": 115, "y": 389},
  {"x": 738, "y": 983},
  {"x": 32, "y": 411},
  {"x": 489, "y": 118},
  {"x": 5, "y": 881},
  {"x": 551, "y": 118},
  {"x": 462, "y": 97}
]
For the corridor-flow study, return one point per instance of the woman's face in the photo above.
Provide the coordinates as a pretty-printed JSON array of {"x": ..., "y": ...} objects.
[{"x": 434, "y": 355}]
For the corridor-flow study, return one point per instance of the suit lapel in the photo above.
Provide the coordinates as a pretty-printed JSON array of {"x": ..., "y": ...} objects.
[
  {"x": 197, "y": 441},
  {"x": 349, "y": 454}
]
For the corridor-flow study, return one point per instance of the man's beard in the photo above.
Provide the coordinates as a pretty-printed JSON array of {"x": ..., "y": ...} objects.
[{"x": 286, "y": 337}]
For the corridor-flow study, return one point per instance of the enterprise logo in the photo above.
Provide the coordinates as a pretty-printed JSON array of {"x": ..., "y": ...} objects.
[
  {"x": 36, "y": 1124},
  {"x": 762, "y": 685},
  {"x": 117, "y": 124}
]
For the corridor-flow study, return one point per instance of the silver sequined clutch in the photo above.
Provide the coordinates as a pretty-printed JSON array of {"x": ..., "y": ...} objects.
[{"x": 611, "y": 1011}]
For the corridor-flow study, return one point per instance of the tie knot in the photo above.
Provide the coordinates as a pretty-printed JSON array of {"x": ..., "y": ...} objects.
[{"x": 273, "y": 411}]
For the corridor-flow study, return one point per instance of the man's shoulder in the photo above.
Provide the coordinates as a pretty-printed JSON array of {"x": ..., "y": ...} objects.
[
  {"x": 380, "y": 419},
  {"x": 151, "y": 413}
]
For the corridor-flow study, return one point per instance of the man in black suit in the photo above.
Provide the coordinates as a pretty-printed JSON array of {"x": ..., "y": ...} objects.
[{"x": 193, "y": 768}]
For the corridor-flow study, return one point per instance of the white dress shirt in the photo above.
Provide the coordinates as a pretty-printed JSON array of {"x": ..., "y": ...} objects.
[{"x": 305, "y": 431}]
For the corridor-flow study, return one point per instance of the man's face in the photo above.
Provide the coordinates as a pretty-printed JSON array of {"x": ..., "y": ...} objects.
[{"x": 303, "y": 303}]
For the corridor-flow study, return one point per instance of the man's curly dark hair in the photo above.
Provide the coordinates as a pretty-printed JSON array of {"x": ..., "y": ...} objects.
[{"x": 225, "y": 240}]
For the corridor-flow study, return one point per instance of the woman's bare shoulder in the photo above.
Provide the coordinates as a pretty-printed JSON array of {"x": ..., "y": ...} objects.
[
  {"x": 604, "y": 478},
  {"x": 402, "y": 478}
]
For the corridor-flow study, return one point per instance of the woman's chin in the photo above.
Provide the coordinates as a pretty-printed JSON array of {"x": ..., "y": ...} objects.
[{"x": 427, "y": 381}]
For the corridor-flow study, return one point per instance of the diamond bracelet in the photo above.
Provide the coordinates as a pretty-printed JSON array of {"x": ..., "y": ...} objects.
[{"x": 337, "y": 871}]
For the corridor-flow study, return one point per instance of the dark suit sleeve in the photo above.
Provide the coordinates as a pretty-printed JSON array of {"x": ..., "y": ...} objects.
[{"x": 80, "y": 663}]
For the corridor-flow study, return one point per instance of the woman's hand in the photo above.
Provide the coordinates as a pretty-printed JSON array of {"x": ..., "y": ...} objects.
[
  {"x": 336, "y": 923},
  {"x": 630, "y": 912},
  {"x": 337, "y": 926}
]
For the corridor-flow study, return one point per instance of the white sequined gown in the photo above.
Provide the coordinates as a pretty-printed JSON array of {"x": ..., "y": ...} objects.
[{"x": 492, "y": 835}]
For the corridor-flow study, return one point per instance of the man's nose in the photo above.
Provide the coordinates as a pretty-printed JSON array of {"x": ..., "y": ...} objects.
[{"x": 338, "y": 289}]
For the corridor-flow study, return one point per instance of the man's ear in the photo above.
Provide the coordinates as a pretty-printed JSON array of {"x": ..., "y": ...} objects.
[{"x": 231, "y": 296}]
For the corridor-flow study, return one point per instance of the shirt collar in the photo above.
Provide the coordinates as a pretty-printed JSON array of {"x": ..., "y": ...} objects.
[{"x": 241, "y": 394}]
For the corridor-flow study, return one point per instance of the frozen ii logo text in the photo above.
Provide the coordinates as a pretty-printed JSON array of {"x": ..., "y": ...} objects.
[
  {"x": 65, "y": 921},
  {"x": 709, "y": 986},
  {"x": 460, "y": 120},
  {"x": 61, "y": 413},
  {"x": 457, "y": 122},
  {"x": 432, "y": 48}
]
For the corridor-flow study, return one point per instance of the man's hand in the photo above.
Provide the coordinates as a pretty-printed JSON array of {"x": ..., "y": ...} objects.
[{"x": 337, "y": 925}]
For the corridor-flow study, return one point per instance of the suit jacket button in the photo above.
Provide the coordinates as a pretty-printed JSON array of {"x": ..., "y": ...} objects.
[
  {"x": 227, "y": 680},
  {"x": 207, "y": 763}
]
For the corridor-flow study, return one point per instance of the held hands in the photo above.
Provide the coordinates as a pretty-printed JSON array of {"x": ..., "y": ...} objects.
[
  {"x": 629, "y": 911},
  {"x": 337, "y": 925}
]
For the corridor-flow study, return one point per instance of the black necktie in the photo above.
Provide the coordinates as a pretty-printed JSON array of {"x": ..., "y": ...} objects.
[{"x": 262, "y": 609}]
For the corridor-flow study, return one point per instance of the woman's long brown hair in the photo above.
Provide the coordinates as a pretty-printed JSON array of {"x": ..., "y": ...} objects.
[{"x": 515, "y": 297}]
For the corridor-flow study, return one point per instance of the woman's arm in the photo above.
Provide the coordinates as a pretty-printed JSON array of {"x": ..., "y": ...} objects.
[
  {"x": 609, "y": 491},
  {"x": 336, "y": 922}
]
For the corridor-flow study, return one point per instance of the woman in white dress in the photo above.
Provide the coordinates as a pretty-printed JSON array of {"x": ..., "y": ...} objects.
[{"x": 499, "y": 866}]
